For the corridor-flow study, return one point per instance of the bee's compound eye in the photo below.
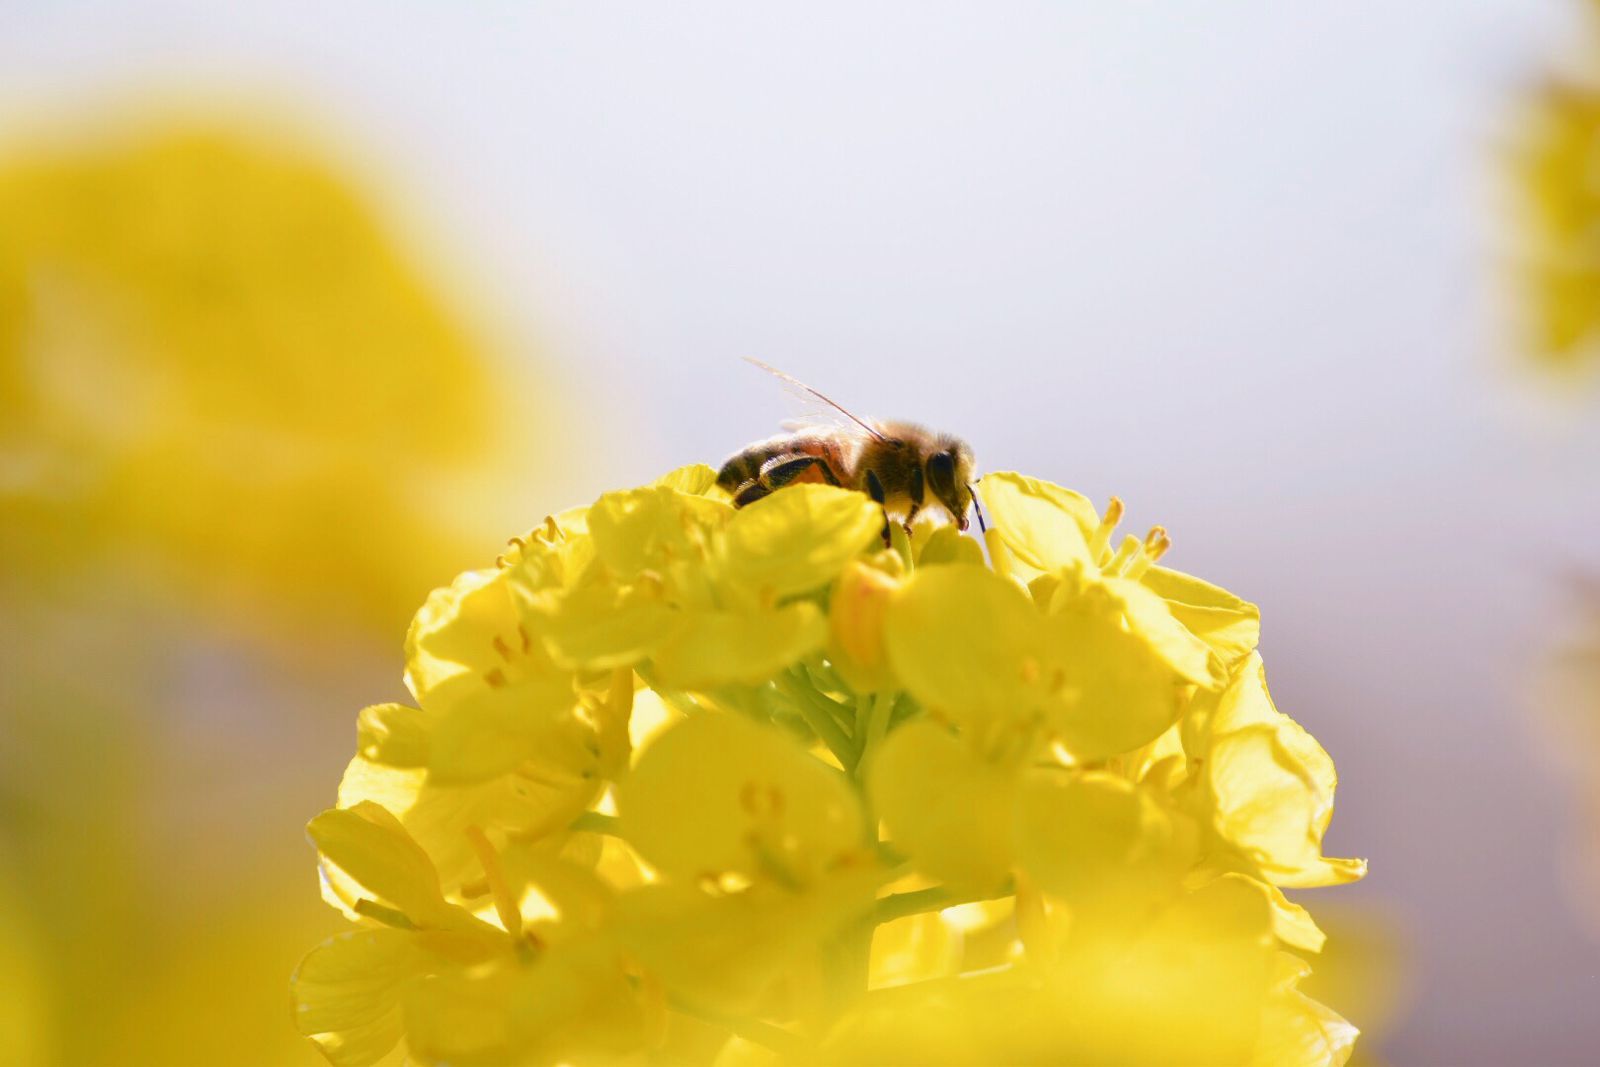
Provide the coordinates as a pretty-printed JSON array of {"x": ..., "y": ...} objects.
[{"x": 942, "y": 472}]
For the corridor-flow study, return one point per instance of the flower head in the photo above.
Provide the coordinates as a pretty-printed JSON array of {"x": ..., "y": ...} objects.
[{"x": 898, "y": 800}]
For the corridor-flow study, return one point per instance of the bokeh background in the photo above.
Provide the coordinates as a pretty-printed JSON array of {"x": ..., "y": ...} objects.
[{"x": 305, "y": 307}]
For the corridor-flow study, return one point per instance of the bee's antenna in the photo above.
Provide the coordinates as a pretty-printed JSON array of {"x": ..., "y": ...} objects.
[{"x": 978, "y": 508}]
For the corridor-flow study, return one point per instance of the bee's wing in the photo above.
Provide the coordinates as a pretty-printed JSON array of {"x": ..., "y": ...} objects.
[{"x": 823, "y": 411}]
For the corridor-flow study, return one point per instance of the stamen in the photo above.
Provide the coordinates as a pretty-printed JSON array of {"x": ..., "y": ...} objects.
[
  {"x": 1100, "y": 543},
  {"x": 505, "y": 905},
  {"x": 1155, "y": 546},
  {"x": 1130, "y": 547}
]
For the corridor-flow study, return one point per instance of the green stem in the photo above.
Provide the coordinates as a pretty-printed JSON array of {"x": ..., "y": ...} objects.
[
  {"x": 877, "y": 726},
  {"x": 595, "y": 822},
  {"x": 813, "y": 708}
]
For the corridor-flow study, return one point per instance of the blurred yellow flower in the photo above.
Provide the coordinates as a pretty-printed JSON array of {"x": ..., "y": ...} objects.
[
  {"x": 1556, "y": 170},
  {"x": 209, "y": 347},
  {"x": 241, "y": 429},
  {"x": 1052, "y": 823}
]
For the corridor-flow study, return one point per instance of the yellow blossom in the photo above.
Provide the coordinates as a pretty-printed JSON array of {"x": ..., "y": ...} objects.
[{"x": 853, "y": 742}]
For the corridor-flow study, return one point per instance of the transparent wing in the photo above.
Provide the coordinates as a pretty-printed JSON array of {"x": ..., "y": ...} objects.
[{"x": 820, "y": 409}]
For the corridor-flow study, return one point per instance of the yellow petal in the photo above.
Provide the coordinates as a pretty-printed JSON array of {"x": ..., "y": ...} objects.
[
  {"x": 1152, "y": 620},
  {"x": 697, "y": 479},
  {"x": 1292, "y": 923},
  {"x": 945, "y": 807},
  {"x": 1113, "y": 692},
  {"x": 526, "y": 806},
  {"x": 637, "y": 529},
  {"x": 967, "y": 642},
  {"x": 716, "y": 648},
  {"x": 394, "y": 735},
  {"x": 1231, "y": 626},
  {"x": 346, "y": 994},
  {"x": 725, "y": 953},
  {"x": 492, "y": 730},
  {"x": 1100, "y": 843},
  {"x": 367, "y": 854},
  {"x": 448, "y": 635},
  {"x": 1044, "y": 525},
  {"x": 799, "y": 538},
  {"x": 1296, "y": 1031},
  {"x": 1271, "y": 786},
  {"x": 598, "y": 627},
  {"x": 716, "y": 794},
  {"x": 945, "y": 544}
]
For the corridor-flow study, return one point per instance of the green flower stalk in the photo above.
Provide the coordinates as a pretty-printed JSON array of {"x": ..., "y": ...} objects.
[{"x": 691, "y": 783}]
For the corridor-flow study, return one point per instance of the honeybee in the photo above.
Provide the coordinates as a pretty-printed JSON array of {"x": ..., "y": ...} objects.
[{"x": 905, "y": 467}]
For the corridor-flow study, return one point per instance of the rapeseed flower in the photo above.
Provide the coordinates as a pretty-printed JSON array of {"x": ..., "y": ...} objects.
[{"x": 898, "y": 799}]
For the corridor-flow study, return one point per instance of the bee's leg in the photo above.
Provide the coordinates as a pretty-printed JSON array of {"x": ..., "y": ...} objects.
[
  {"x": 916, "y": 497},
  {"x": 787, "y": 470},
  {"x": 750, "y": 494},
  {"x": 875, "y": 491}
]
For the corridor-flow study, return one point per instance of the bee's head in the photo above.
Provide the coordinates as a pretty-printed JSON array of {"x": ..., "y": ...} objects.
[{"x": 949, "y": 473}]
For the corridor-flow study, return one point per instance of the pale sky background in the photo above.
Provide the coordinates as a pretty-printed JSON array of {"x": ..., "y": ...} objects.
[{"x": 1239, "y": 263}]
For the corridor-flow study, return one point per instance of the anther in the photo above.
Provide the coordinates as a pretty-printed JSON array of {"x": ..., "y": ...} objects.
[
  {"x": 1100, "y": 543},
  {"x": 501, "y": 648},
  {"x": 1157, "y": 542},
  {"x": 494, "y": 679}
]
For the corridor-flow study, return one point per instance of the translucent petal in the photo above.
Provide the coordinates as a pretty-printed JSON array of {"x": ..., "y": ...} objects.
[
  {"x": 598, "y": 627},
  {"x": 1101, "y": 843},
  {"x": 393, "y": 734},
  {"x": 716, "y": 648},
  {"x": 1271, "y": 786},
  {"x": 1231, "y": 626},
  {"x": 637, "y": 529},
  {"x": 379, "y": 860},
  {"x": 945, "y": 806},
  {"x": 718, "y": 794},
  {"x": 492, "y": 730},
  {"x": 346, "y": 993},
  {"x": 1113, "y": 693},
  {"x": 798, "y": 538},
  {"x": 1296, "y": 1031},
  {"x": 1046, "y": 526},
  {"x": 448, "y": 635},
  {"x": 725, "y": 953},
  {"x": 1152, "y": 620},
  {"x": 525, "y": 806}
]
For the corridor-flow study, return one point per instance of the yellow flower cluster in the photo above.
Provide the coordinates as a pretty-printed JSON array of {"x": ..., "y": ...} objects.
[
  {"x": 716, "y": 785},
  {"x": 1556, "y": 172}
]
